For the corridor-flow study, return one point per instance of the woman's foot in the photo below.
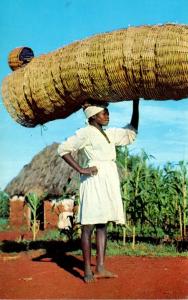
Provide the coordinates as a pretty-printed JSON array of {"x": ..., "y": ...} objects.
[
  {"x": 89, "y": 277},
  {"x": 103, "y": 273}
]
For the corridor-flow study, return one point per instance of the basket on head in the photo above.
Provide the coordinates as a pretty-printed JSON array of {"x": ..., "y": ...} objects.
[
  {"x": 19, "y": 57},
  {"x": 148, "y": 62}
]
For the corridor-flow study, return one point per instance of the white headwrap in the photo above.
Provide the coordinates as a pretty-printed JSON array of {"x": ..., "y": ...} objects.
[{"x": 92, "y": 110}]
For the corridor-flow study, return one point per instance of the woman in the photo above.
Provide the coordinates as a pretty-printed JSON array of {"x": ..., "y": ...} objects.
[{"x": 100, "y": 196}]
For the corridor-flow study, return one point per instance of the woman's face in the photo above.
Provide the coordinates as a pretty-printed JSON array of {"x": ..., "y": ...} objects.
[{"x": 102, "y": 118}]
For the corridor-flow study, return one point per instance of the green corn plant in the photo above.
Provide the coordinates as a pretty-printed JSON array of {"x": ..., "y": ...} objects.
[
  {"x": 123, "y": 163},
  {"x": 180, "y": 221},
  {"x": 132, "y": 190},
  {"x": 154, "y": 198},
  {"x": 177, "y": 183},
  {"x": 123, "y": 160},
  {"x": 184, "y": 194},
  {"x": 34, "y": 202}
]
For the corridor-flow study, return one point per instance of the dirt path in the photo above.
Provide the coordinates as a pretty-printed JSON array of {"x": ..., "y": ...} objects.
[{"x": 36, "y": 276}]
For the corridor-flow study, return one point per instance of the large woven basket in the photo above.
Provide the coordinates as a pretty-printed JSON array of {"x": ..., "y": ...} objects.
[{"x": 149, "y": 62}]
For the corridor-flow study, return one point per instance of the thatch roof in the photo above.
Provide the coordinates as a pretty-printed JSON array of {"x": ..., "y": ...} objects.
[{"x": 46, "y": 173}]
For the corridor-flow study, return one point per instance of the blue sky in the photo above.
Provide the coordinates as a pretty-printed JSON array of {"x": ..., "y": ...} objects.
[{"x": 45, "y": 25}]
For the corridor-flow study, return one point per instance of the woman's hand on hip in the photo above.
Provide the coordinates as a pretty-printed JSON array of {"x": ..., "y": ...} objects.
[{"x": 91, "y": 171}]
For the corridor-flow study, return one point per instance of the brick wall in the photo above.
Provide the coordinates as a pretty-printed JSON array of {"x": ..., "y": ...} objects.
[
  {"x": 52, "y": 209},
  {"x": 19, "y": 212}
]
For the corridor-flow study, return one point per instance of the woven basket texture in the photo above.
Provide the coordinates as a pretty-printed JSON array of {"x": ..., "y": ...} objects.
[
  {"x": 20, "y": 56},
  {"x": 149, "y": 62}
]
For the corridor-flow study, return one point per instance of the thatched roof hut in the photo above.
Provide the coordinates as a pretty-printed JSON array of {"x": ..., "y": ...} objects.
[{"x": 47, "y": 173}]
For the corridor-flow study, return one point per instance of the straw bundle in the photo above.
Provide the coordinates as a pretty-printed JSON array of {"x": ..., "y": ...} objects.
[{"x": 149, "y": 62}]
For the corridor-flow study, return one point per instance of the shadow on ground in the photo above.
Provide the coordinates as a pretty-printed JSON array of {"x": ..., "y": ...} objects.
[{"x": 64, "y": 254}]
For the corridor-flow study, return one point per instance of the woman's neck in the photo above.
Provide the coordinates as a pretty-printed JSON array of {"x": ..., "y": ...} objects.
[{"x": 98, "y": 126}]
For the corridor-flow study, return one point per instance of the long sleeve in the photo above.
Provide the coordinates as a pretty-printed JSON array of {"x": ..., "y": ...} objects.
[
  {"x": 122, "y": 136},
  {"x": 74, "y": 143}
]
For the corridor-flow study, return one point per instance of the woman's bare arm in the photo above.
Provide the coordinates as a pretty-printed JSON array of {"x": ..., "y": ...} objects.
[
  {"x": 135, "y": 114},
  {"x": 85, "y": 171}
]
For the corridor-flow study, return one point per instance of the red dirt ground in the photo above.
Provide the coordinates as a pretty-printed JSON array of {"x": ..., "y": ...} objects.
[{"x": 33, "y": 275}]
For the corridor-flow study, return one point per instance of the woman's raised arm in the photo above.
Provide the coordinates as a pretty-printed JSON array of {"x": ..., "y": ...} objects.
[{"x": 135, "y": 114}]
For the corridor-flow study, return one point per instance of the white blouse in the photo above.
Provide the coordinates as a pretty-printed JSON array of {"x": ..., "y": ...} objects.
[{"x": 95, "y": 145}]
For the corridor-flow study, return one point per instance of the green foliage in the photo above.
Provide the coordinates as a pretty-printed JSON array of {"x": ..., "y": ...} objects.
[
  {"x": 142, "y": 249},
  {"x": 4, "y": 224},
  {"x": 155, "y": 200},
  {"x": 50, "y": 235},
  {"x": 4, "y": 205},
  {"x": 34, "y": 203}
]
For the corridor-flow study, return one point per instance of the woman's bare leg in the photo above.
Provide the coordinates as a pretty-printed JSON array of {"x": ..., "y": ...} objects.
[
  {"x": 101, "y": 239},
  {"x": 86, "y": 250}
]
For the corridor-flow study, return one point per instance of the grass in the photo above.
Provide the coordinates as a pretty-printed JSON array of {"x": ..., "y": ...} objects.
[
  {"x": 141, "y": 249},
  {"x": 115, "y": 248},
  {"x": 53, "y": 234},
  {"x": 54, "y": 239},
  {"x": 144, "y": 249},
  {"x": 4, "y": 225}
]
